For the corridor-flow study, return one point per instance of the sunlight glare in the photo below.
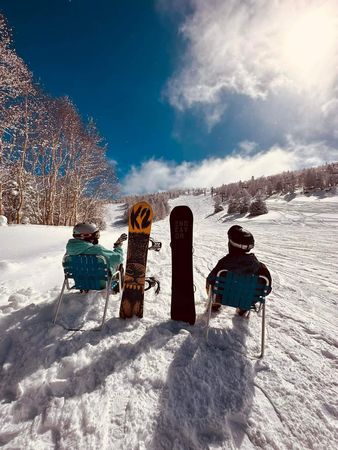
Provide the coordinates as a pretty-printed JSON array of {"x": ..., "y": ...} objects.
[{"x": 310, "y": 47}]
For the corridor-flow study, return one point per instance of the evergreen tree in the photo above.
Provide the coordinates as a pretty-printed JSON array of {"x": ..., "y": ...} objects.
[
  {"x": 244, "y": 202},
  {"x": 258, "y": 207},
  {"x": 233, "y": 206},
  {"x": 217, "y": 204}
]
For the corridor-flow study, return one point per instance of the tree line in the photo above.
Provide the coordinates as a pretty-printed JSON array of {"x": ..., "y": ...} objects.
[
  {"x": 158, "y": 202},
  {"x": 249, "y": 196},
  {"x": 53, "y": 164},
  {"x": 324, "y": 177}
]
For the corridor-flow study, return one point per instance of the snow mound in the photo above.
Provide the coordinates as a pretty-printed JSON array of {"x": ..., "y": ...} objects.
[{"x": 3, "y": 221}]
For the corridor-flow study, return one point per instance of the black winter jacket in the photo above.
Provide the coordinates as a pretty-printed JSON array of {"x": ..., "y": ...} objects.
[{"x": 239, "y": 262}]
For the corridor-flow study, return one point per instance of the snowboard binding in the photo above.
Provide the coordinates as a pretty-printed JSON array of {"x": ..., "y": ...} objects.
[
  {"x": 155, "y": 245},
  {"x": 152, "y": 282}
]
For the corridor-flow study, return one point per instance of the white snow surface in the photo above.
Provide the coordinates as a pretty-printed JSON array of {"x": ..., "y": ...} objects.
[
  {"x": 3, "y": 221},
  {"x": 153, "y": 383}
]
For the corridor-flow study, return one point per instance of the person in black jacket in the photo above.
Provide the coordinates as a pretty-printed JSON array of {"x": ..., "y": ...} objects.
[{"x": 239, "y": 260}]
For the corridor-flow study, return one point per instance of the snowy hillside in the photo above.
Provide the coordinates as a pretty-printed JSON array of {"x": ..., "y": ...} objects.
[{"x": 155, "y": 384}]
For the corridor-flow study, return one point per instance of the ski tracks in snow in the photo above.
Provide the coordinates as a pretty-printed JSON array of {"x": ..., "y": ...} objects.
[{"x": 155, "y": 384}]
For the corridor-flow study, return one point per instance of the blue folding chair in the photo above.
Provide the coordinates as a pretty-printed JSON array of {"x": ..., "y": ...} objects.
[
  {"x": 89, "y": 272},
  {"x": 246, "y": 292}
]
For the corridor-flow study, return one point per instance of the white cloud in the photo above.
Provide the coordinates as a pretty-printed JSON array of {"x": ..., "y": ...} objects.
[
  {"x": 158, "y": 175},
  {"x": 255, "y": 48},
  {"x": 247, "y": 147},
  {"x": 330, "y": 116}
]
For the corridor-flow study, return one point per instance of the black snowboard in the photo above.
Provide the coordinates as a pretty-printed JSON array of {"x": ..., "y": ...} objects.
[{"x": 182, "y": 285}]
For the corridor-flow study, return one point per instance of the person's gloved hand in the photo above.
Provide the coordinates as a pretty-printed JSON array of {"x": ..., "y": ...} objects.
[{"x": 120, "y": 240}]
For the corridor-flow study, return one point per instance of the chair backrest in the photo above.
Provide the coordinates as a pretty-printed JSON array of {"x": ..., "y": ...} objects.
[
  {"x": 88, "y": 271},
  {"x": 240, "y": 290}
]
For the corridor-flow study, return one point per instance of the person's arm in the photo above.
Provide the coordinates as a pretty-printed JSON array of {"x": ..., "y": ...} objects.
[
  {"x": 212, "y": 275},
  {"x": 120, "y": 240},
  {"x": 263, "y": 270},
  {"x": 116, "y": 257}
]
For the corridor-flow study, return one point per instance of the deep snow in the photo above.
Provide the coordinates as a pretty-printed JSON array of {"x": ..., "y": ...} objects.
[{"x": 154, "y": 383}]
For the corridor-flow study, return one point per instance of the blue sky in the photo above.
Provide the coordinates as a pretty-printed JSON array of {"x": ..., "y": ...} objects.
[{"x": 188, "y": 92}]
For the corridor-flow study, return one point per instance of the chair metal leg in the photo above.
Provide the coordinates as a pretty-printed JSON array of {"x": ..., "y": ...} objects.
[
  {"x": 65, "y": 282},
  {"x": 210, "y": 298},
  {"x": 263, "y": 332},
  {"x": 108, "y": 287}
]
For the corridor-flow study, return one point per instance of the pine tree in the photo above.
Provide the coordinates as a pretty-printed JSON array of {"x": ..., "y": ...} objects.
[
  {"x": 217, "y": 204},
  {"x": 258, "y": 207},
  {"x": 244, "y": 202},
  {"x": 233, "y": 206}
]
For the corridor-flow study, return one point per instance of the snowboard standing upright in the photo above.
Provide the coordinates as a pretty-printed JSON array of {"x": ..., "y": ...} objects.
[
  {"x": 182, "y": 287},
  {"x": 140, "y": 219}
]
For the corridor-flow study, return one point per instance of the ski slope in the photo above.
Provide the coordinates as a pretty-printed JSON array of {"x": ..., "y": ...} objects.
[{"x": 154, "y": 383}]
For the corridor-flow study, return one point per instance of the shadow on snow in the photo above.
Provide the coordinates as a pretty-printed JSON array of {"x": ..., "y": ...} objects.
[
  {"x": 206, "y": 399},
  {"x": 208, "y": 394}
]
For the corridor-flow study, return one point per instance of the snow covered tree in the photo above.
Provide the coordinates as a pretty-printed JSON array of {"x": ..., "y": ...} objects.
[
  {"x": 159, "y": 203},
  {"x": 15, "y": 78},
  {"x": 258, "y": 207},
  {"x": 244, "y": 202},
  {"x": 15, "y": 82},
  {"x": 233, "y": 206},
  {"x": 53, "y": 166},
  {"x": 218, "y": 204},
  {"x": 240, "y": 202}
]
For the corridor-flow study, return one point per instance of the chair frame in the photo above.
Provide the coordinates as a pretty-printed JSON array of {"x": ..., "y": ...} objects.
[
  {"x": 257, "y": 297},
  {"x": 108, "y": 278}
]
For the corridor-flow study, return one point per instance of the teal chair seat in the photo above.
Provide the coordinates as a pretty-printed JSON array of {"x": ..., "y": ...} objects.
[
  {"x": 240, "y": 291},
  {"x": 89, "y": 272}
]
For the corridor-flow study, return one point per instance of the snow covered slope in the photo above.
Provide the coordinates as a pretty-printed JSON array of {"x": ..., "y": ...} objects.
[{"x": 154, "y": 383}]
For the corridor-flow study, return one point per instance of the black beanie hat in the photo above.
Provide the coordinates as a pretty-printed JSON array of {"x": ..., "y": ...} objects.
[{"x": 241, "y": 238}]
